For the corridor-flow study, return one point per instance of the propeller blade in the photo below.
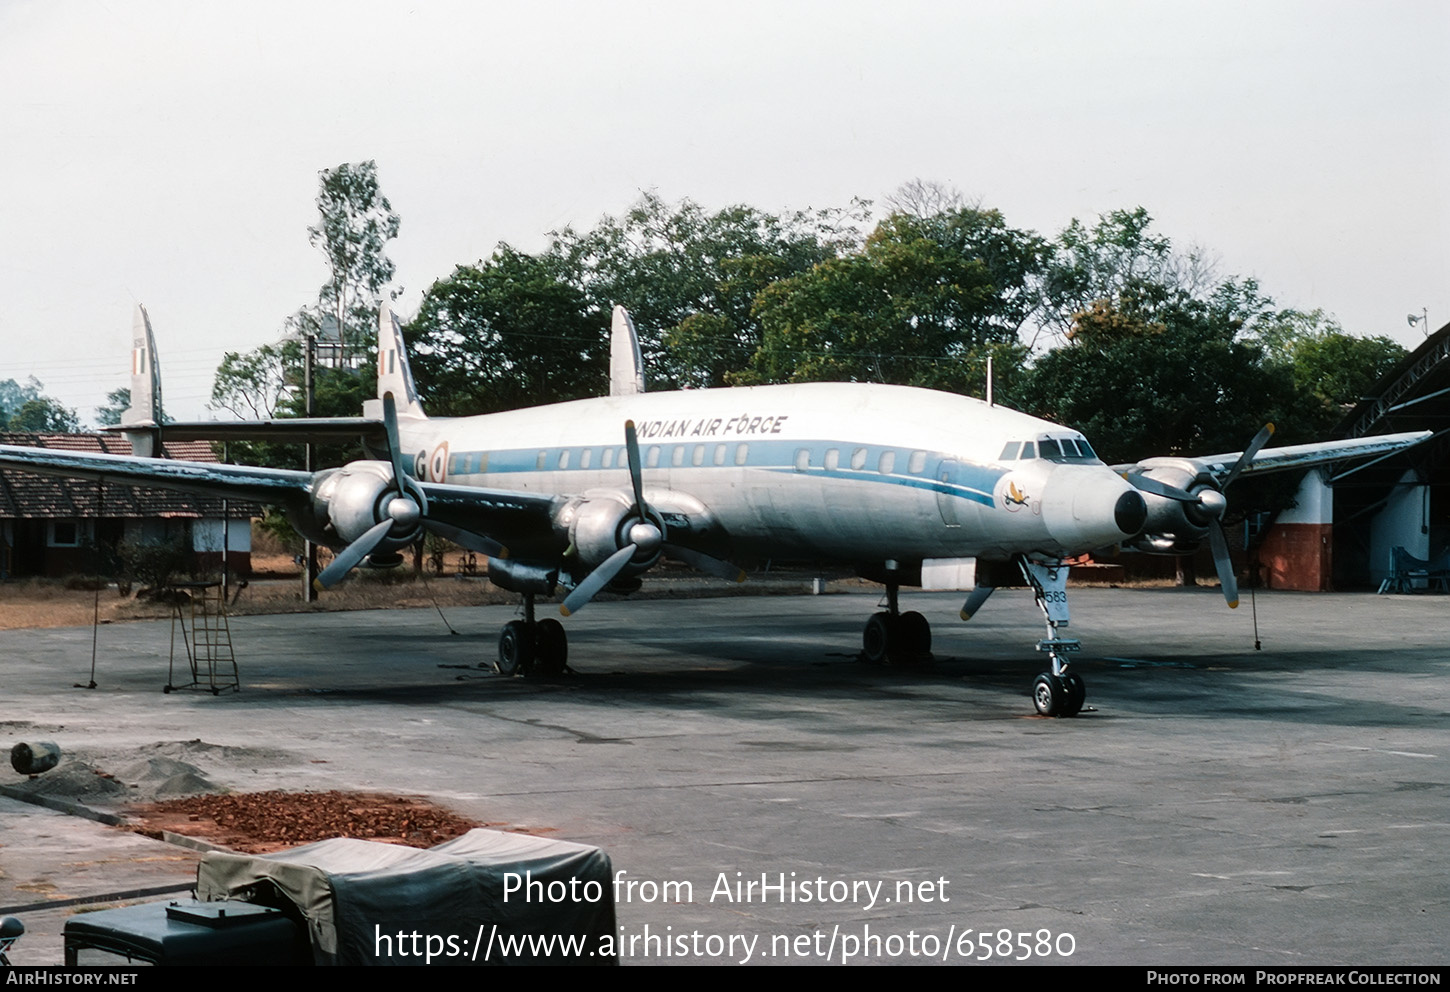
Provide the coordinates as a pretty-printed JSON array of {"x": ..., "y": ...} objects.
[
  {"x": 395, "y": 454},
  {"x": 636, "y": 474},
  {"x": 1150, "y": 485},
  {"x": 468, "y": 539},
  {"x": 390, "y": 422},
  {"x": 351, "y": 555},
  {"x": 704, "y": 563},
  {"x": 1224, "y": 564},
  {"x": 597, "y": 580},
  {"x": 1260, "y": 439}
]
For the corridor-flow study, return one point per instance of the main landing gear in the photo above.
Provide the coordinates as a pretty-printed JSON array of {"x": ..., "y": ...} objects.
[
  {"x": 896, "y": 638},
  {"x": 532, "y": 647},
  {"x": 1058, "y": 692}
]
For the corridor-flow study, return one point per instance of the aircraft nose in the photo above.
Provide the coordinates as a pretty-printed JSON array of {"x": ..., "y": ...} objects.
[{"x": 1091, "y": 507}]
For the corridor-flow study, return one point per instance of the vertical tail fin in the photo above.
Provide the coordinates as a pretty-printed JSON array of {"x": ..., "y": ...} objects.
[
  {"x": 394, "y": 375},
  {"x": 626, "y": 365},
  {"x": 144, "y": 413}
]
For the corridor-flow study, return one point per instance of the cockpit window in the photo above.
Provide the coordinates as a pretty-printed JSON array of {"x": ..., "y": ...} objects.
[
  {"x": 1029, "y": 450},
  {"x": 1066, "y": 449}
]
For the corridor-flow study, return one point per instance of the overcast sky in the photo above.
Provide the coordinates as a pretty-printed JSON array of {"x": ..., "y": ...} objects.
[{"x": 168, "y": 153}]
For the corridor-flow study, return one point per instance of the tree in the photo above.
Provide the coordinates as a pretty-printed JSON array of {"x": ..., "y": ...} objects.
[
  {"x": 925, "y": 302},
  {"x": 506, "y": 333},
  {"x": 1087, "y": 264},
  {"x": 118, "y": 401},
  {"x": 27, "y": 408},
  {"x": 44, "y": 416},
  {"x": 690, "y": 277},
  {"x": 356, "y": 224},
  {"x": 13, "y": 396},
  {"x": 1332, "y": 369},
  {"x": 1156, "y": 371}
]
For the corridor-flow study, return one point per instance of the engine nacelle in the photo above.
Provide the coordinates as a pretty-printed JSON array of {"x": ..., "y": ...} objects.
[
  {"x": 1176, "y": 527},
  {"x": 601, "y": 523},
  {"x": 349, "y": 501}
]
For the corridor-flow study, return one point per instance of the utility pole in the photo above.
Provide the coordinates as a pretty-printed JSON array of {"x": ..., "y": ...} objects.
[{"x": 309, "y": 550}]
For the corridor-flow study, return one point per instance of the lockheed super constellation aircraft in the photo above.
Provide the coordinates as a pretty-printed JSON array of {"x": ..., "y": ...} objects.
[{"x": 910, "y": 486}]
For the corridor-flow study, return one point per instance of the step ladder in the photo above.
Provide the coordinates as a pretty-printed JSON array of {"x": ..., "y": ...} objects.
[{"x": 199, "y": 615}]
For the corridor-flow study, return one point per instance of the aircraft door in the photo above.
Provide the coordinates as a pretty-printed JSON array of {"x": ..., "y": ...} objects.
[{"x": 946, "y": 503}]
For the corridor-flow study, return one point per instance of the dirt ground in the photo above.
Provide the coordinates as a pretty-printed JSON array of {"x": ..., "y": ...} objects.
[{"x": 276, "y": 587}]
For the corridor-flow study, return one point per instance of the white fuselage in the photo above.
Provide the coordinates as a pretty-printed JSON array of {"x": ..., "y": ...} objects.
[{"x": 838, "y": 470}]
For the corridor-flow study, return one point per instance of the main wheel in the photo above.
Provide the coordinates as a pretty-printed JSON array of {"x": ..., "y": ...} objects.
[
  {"x": 1049, "y": 695},
  {"x": 515, "y": 648},
  {"x": 1076, "y": 694},
  {"x": 551, "y": 647},
  {"x": 876, "y": 640},
  {"x": 914, "y": 633}
]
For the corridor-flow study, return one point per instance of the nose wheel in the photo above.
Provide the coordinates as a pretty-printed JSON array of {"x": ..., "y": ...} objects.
[{"x": 1058, "y": 695}]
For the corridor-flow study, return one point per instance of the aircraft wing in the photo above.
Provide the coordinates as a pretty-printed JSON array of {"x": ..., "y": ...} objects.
[
  {"x": 511, "y": 515},
  {"x": 303, "y": 430},
  {"x": 1294, "y": 456},
  {"x": 262, "y": 485}
]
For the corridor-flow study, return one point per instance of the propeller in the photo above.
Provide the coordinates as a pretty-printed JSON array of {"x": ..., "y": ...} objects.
[
  {"x": 404, "y": 513},
  {"x": 646, "y": 537},
  {"x": 1210, "y": 503}
]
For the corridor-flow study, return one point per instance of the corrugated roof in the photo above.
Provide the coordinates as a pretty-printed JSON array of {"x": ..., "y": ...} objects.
[{"x": 24, "y": 495}]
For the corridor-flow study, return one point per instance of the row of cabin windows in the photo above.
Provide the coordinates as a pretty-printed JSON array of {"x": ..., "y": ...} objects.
[
  {"x": 701, "y": 454},
  {"x": 609, "y": 457},
  {"x": 885, "y": 462}
]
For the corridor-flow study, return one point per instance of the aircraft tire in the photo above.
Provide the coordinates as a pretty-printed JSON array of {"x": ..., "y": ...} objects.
[
  {"x": 878, "y": 637},
  {"x": 1075, "y": 692},
  {"x": 1049, "y": 695},
  {"x": 515, "y": 648},
  {"x": 551, "y": 647},
  {"x": 914, "y": 633}
]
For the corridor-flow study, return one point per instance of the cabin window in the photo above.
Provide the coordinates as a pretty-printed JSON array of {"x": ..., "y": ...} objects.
[
  {"x": 833, "y": 459},
  {"x": 652, "y": 460},
  {"x": 539, "y": 462},
  {"x": 742, "y": 452},
  {"x": 677, "y": 456},
  {"x": 802, "y": 459},
  {"x": 698, "y": 457},
  {"x": 858, "y": 459},
  {"x": 887, "y": 464},
  {"x": 720, "y": 450},
  {"x": 607, "y": 459},
  {"x": 1009, "y": 453},
  {"x": 564, "y": 458},
  {"x": 917, "y": 464},
  {"x": 585, "y": 457}
]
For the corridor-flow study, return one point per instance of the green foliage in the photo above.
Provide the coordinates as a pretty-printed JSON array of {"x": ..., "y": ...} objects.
[
  {"x": 670, "y": 262},
  {"x": 923, "y": 303},
  {"x": 1332, "y": 370},
  {"x": 27, "y": 408},
  {"x": 356, "y": 224},
  {"x": 44, "y": 416},
  {"x": 1156, "y": 371},
  {"x": 506, "y": 333},
  {"x": 118, "y": 401}
]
